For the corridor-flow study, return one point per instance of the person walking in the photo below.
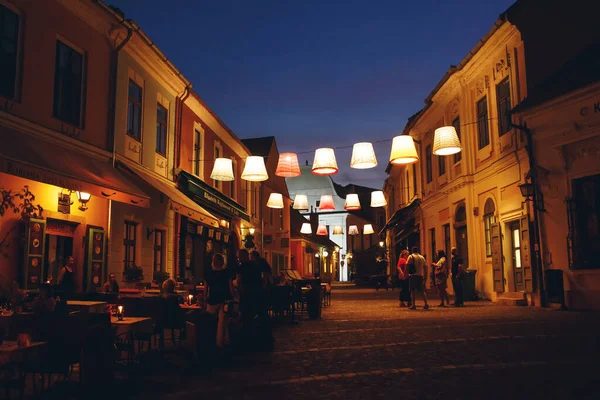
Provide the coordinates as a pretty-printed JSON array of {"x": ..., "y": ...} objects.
[
  {"x": 440, "y": 277},
  {"x": 220, "y": 290},
  {"x": 457, "y": 269},
  {"x": 417, "y": 277},
  {"x": 403, "y": 279}
]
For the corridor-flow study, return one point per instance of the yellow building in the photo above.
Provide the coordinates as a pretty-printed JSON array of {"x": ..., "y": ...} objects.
[{"x": 472, "y": 200}]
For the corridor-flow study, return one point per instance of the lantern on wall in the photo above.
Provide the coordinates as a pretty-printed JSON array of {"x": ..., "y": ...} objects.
[
  {"x": 255, "y": 170},
  {"x": 324, "y": 162},
  {"x": 275, "y": 200},
  {"x": 368, "y": 229},
  {"x": 403, "y": 150},
  {"x": 337, "y": 230},
  {"x": 306, "y": 229},
  {"x": 378, "y": 199},
  {"x": 222, "y": 170},
  {"x": 445, "y": 141},
  {"x": 300, "y": 202},
  {"x": 322, "y": 230},
  {"x": 83, "y": 198},
  {"x": 353, "y": 230},
  {"x": 326, "y": 203},
  {"x": 288, "y": 166},
  {"x": 352, "y": 202},
  {"x": 363, "y": 156}
]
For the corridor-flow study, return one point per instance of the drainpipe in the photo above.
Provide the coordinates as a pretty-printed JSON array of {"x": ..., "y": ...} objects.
[
  {"x": 536, "y": 230},
  {"x": 178, "y": 123}
]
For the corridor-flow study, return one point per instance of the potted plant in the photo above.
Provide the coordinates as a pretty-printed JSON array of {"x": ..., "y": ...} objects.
[{"x": 133, "y": 274}]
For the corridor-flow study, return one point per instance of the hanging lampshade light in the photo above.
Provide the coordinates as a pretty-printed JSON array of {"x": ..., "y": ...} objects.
[
  {"x": 445, "y": 141},
  {"x": 255, "y": 170},
  {"x": 324, "y": 163},
  {"x": 326, "y": 203},
  {"x": 353, "y": 230},
  {"x": 337, "y": 230},
  {"x": 378, "y": 199},
  {"x": 222, "y": 170},
  {"x": 288, "y": 166},
  {"x": 306, "y": 229},
  {"x": 352, "y": 202},
  {"x": 403, "y": 150},
  {"x": 322, "y": 230},
  {"x": 368, "y": 229},
  {"x": 275, "y": 200},
  {"x": 301, "y": 202},
  {"x": 363, "y": 156}
]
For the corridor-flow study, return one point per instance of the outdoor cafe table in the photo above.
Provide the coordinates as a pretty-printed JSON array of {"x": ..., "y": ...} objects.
[
  {"x": 87, "y": 306},
  {"x": 186, "y": 306},
  {"x": 131, "y": 325}
]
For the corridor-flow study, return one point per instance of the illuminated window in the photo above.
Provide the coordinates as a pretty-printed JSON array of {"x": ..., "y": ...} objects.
[
  {"x": 159, "y": 249},
  {"x": 488, "y": 220}
]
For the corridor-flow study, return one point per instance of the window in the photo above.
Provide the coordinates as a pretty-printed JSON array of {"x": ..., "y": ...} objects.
[
  {"x": 441, "y": 165},
  {"x": 196, "y": 155},
  {"x": 68, "y": 84},
  {"x": 428, "y": 163},
  {"x": 130, "y": 243},
  {"x": 159, "y": 249},
  {"x": 585, "y": 222},
  {"x": 447, "y": 245},
  {"x": 488, "y": 220},
  {"x": 482, "y": 123},
  {"x": 134, "y": 111},
  {"x": 414, "y": 174},
  {"x": 503, "y": 101},
  {"x": 318, "y": 203},
  {"x": 433, "y": 248},
  {"x": 216, "y": 183},
  {"x": 456, "y": 125},
  {"x": 161, "y": 129},
  {"x": 9, "y": 48}
]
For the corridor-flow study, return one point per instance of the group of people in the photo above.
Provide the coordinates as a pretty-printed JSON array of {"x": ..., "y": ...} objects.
[
  {"x": 246, "y": 282},
  {"x": 413, "y": 273}
]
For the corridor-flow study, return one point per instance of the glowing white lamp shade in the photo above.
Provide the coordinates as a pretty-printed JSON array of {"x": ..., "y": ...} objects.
[
  {"x": 326, "y": 203},
  {"x": 403, "y": 150},
  {"x": 322, "y": 230},
  {"x": 378, "y": 199},
  {"x": 306, "y": 229},
  {"x": 352, "y": 202},
  {"x": 368, "y": 229},
  {"x": 337, "y": 230},
  {"x": 353, "y": 230},
  {"x": 363, "y": 156},
  {"x": 300, "y": 202},
  {"x": 255, "y": 170},
  {"x": 445, "y": 141},
  {"x": 222, "y": 170},
  {"x": 275, "y": 200},
  {"x": 324, "y": 162}
]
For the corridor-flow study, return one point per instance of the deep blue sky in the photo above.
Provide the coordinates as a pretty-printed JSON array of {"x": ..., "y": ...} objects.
[{"x": 316, "y": 73}]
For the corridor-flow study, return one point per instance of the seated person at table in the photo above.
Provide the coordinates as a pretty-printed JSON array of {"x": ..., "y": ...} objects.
[
  {"x": 111, "y": 286},
  {"x": 168, "y": 288},
  {"x": 44, "y": 302}
]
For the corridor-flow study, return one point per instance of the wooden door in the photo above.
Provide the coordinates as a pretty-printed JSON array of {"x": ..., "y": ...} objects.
[
  {"x": 497, "y": 259},
  {"x": 526, "y": 261},
  {"x": 462, "y": 245}
]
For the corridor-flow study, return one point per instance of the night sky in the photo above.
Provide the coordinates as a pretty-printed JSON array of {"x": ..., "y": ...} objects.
[{"x": 316, "y": 73}]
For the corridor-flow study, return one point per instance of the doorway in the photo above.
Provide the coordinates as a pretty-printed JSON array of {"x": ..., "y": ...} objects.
[
  {"x": 515, "y": 245},
  {"x": 460, "y": 230},
  {"x": 58, "y": 249}
]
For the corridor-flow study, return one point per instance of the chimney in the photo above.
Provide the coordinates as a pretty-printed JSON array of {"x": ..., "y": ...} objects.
[{"x": 314, "y": 221}]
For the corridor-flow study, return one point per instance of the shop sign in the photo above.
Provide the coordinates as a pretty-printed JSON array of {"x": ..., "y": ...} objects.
[
  {"x": 64, "y": 203},
  {"x": 40, "y": 175},
  {"x": 590, "y": 109},
  {"x": 60, "y": 228}
]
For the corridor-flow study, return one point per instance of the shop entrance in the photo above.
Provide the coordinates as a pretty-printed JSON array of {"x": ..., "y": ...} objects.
[
  {"x": 58, "y": 249},
  {"x": 515, "y": 244}
]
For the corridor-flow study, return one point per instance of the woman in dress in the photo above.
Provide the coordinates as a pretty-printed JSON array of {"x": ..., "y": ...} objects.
[
  {"x": 440, "y": 278},
  {"x": 403, "y": 279},
  {"x": 220, "y": 290}
]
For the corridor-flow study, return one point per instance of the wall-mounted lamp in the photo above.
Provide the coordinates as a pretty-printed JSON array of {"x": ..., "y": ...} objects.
[
  {"x": 252, "y": 230},
  {"x": 381, "y": 243},
  {"x": 325, "y": 253},
  {"x": 83, "y": 198},
  {"x": 527, "y": 190}
]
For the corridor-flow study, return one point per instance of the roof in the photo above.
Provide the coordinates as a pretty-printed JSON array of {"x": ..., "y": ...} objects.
[
  {"x": 259, "y": 146},
  {"x": 578, "y": 72}
]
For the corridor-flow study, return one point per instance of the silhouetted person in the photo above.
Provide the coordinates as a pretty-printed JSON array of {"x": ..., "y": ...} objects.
[
  {"x": 457, "y": 270},
  {"x": 66, "y": 279},
  {"x": 112, "y": 286}
]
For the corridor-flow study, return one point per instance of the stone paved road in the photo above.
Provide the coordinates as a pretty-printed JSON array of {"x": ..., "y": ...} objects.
[{"x": 367, "y": 347}]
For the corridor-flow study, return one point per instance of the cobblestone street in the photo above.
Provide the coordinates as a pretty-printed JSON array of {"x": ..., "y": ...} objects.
[{"x": 365, "y": 346}]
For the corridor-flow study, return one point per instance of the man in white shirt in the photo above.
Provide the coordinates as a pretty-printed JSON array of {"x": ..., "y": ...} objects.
[{"x": 417, "y": 276}]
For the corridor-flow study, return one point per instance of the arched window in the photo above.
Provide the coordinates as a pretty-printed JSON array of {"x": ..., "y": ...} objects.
[{"x": 489, "y": 218}]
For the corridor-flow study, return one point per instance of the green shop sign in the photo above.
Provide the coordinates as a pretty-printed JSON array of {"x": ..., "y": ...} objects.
[{"x": 205, "y": 195}]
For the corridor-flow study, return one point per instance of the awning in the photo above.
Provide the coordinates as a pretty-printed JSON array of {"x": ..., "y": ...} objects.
[
  {"x": 180, "y": 203},
  {"x": 401, "y": 216},
  {"x": 43, "y": 161},
  {"x": 407, "y": 229}
]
